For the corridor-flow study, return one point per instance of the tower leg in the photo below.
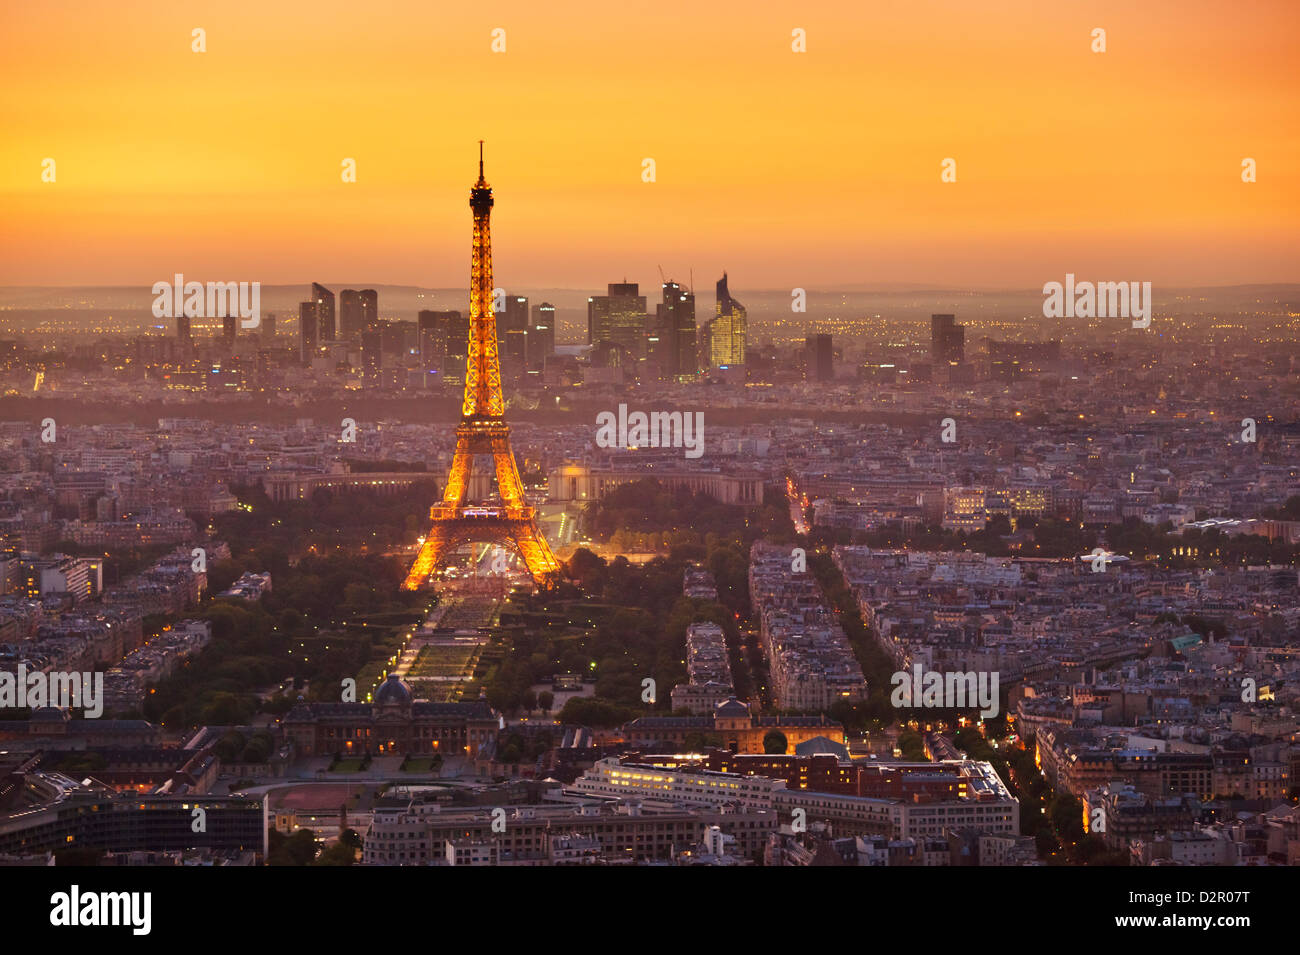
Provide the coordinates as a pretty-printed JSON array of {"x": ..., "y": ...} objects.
[
  {"x": 537, "y": 553},
  {"x": 509, "y": 485},
  {"x": 431, "y": 554},
  {"x": 462, "y": 465}
]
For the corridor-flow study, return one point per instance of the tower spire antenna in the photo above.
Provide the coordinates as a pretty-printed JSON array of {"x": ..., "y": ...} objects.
[{"x": 480, "y": 160}]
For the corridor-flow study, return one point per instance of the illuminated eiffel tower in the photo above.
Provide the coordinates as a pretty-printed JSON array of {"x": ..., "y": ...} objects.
[{"x": 483, "y": 430}]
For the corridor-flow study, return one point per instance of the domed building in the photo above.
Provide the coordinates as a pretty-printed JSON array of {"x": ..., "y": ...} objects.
[
  {"x": 392, "y": 692},
  {"x": 394, "y": 722},
  {"x": 731, "y": 726}
]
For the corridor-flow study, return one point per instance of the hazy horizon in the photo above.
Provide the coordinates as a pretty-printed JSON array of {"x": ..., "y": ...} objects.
[{"x": 881, "y": 287}]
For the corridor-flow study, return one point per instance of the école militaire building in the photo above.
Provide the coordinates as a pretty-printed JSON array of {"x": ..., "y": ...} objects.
[{"x": 395, "y": 723}]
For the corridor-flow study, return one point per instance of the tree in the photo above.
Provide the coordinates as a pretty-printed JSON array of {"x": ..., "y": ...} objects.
[
  {"x": 912, "y": 745},
  {"x": 545, "y": 700},
  {"x": 1066, "y": 815},
  {"x": 290, "y": 621},
  {"x": 229, "y": 746},
  {"x": 227, "y": 709},
  {"x": 698, "y": 742},
  {"x": 343, "y": 852},
  {"x": 258, "y": 750},
  {"x": 586, "y": 711},
  {"x": 1094, "y": 851},
  {"x": 775, "y": 743},
  {"x": 587, "y": 569},
  {"x": 359, "y": 595},
  {"x": 298, "y": 849}
]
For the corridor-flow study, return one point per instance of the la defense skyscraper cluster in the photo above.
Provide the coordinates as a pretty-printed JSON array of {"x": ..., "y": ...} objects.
[
  {"x": 667, "y": 345},
  {"x": 483, "y": 430}
]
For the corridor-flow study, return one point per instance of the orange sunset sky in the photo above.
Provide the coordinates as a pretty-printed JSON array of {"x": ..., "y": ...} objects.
[{"x": 786, "y": 169}]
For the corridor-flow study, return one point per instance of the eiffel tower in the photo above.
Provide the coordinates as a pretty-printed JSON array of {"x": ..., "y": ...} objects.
[{"x": 483, "y": 430}]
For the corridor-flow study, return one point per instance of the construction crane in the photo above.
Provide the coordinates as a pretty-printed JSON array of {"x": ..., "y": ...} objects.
[{"x": 691, "y": 281}]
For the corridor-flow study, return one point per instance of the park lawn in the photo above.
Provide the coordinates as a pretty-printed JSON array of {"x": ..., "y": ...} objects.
[{"x": 421, "y": 765}]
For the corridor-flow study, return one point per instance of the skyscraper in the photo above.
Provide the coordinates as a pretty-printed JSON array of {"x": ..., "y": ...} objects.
[
  {"x": 350, "y": 322},
  {"x": 541, "y": 336},
  {"x": 433, "y": 346},
  {"x": 727, "y": 329},
  {"x": 618, "y": 318},
  {"x": 457, "y": 346},
  {"x": 372, "y": 356},
  {"x": 819, "y": 358},
  {"x": 947, "y": 340},
  {"x": 442, "y": 339},
  {"x": 369, "y": 300},
  {"x": 324, "y": 299},
  {"x": 394, "y": 337},
  {"x": 308, "y": 330},
  {"x": 268, "y": 327},
  {"x": 512, "y": 329},
  {"x": 677, "y": 331}
]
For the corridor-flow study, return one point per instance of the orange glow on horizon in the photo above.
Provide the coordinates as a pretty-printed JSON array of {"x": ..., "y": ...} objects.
[{"x": 787, "y": 169}]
